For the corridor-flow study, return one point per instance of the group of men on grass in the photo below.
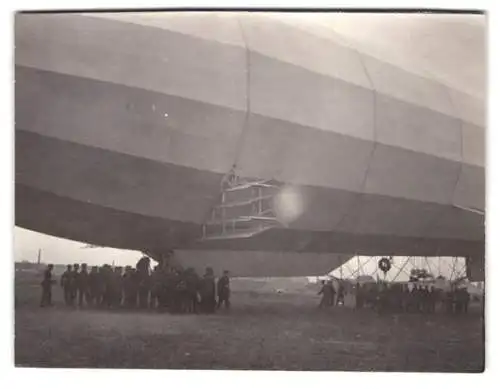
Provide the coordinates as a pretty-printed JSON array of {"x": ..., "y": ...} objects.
[
  {"x": 411, "y": 298},
  {"x": 328, "y": 293},
  {"x": 178, "y": 290},
  {"x": 398, "y": 297}
]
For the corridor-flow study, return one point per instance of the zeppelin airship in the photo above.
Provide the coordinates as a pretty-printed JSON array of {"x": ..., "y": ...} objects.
[{"x": 266, "y": 142}]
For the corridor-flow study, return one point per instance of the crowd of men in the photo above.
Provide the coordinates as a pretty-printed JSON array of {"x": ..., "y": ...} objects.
[
  {"x": 398, "y": 297},
  {"x": 178, "y": 290},
  {"x": 183, "y": 291},
  {"x": 329, "y": 292},
  {"x": 411, "y": 298}
]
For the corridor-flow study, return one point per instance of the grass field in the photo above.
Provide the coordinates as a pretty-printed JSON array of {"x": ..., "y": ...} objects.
[{"x": 263, "y": 330}]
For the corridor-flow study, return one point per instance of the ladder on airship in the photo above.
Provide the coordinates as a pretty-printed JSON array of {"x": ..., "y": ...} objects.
[{"x": 245, "y": 209}]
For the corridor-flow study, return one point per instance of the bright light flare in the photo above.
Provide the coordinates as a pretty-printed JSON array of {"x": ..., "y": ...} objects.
[{"x": 288, "y": 204}]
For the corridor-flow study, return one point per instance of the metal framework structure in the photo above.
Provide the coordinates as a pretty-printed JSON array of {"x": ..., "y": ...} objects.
[
  {"x": 245, "y": 209},
  {"x": 455, "y": 269}
]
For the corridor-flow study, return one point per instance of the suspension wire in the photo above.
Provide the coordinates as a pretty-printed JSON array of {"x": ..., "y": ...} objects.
[
  {"x": 363, "y": 266},
  {"x": 453, "y": 269},
  {"x": 246, "y": 125},
  {"x": 349, "y": 268},
  {"x": 462, "y": 271},
  {"x": 428, "y": 265},
  {"x": 402, "y": 269},
  {"x": 375, "y": 271}
]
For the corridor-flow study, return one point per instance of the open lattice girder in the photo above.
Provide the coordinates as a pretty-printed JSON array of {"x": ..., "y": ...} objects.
[{"x": 449, "y": 268}]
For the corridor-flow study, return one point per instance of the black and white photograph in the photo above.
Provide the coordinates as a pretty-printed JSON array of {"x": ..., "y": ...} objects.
[{"x": 250, "y": 190}]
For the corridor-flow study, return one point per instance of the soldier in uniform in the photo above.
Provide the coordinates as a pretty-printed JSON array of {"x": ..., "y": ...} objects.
[
  {"x": 413, "y": 299},
  {"x": 93, "y": 286},
  {"x": 223, "y": 290},
  {"x": 466, "y": 300},
  {"x": 101, "y": 286},
  {"x": 127, "y": 286},
  {"x": 358, "y": 296},
  {"x": 457, "y": 301},
  {"x": 143, "y": 265},
  {"x": 134, "y": 291},
  {"x": 83, "y": 285},
  {"x": 207, "y": 291},
  {"x": 340, "y": 294},
  {"x": 169, "y": 280},
  {"x": 106, "y": 285},
  {"x": 155, "y": 290},
  {"x": 329, "y": 285},
  {"x": 179, "y": 292},
  {"x": 432, "y": 299},
  {"x": 74, "y": 282},
  {"x": 116, "y": 287},
  {"x": 143, "y": 280},
  {"x": 448, "y": 301},
  {"x": 462, "y": 300},
  {"x": 130, "y": 286},
  {"x": 143, "y": 286},
  {"x": 425, "y": 299},
  {"x": 382, "y": 298},
  {"x": 192, "y": 282},
  {"x": 405, "y": 298},
  {"x": 47, "y": 287},
  {"x": 326, "y": 295},
  {"x": 66, "y": 285}
]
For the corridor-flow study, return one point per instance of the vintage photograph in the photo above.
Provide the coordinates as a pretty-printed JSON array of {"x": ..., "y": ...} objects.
[{"x": 253, "y": 190}]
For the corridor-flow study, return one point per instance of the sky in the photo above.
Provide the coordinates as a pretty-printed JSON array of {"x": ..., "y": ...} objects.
[{"x": 63, "y": 251}]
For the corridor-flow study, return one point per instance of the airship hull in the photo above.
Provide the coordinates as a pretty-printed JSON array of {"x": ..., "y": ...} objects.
[{"x": 126, "y": 127}]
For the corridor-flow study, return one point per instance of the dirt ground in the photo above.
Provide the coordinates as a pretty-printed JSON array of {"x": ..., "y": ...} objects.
[{"x": 264, "y": 330}]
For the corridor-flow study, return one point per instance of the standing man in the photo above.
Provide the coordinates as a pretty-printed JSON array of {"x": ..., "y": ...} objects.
[
  {"x": 466, "y": 300},
  {"x": 223, "y": 290},
  {"x": 74, "y": 282},
  {"x": 432, "y": 299},
  {"x": 340, "y": 294},
  {"x": 66, "y": 285},
  {"x": 127, "y": 287},
  {"x": 326, "y": 292},
  {"x": 117, "y": 287},
  {"x": 47, "y": 287},
  {"x": 359, "y": 301},
  {"x": 448, "y": 302},
  {"x": 144, "y": 280},
  {"x": 83, "y": 285},
  {"x": 107, "y": 272},
  {"x": 178, "y": 292},
  {"x": 208, "y": 291},
  {"x": 332, "y": 293},
  {"x": 101, "y": 286},
  {"x": 169, "y": 280},
  {"x": 193, "y": 282},
  {"x": 93, "y": 286}
]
